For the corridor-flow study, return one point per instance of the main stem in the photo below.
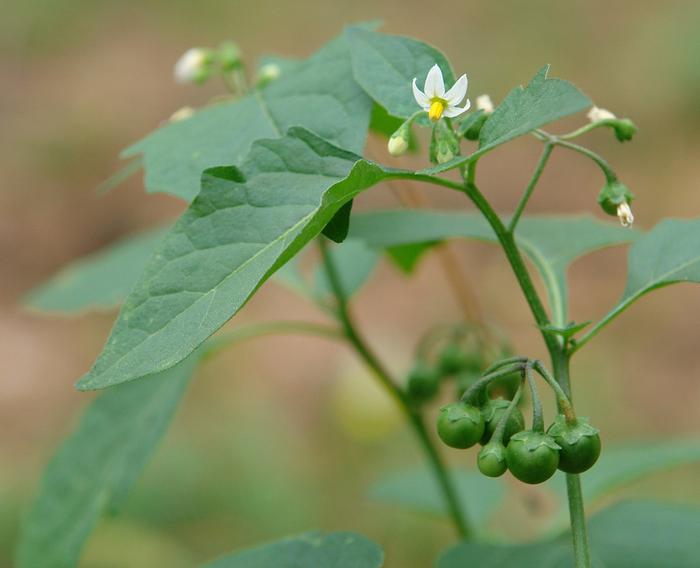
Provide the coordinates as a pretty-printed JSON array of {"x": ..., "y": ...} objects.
[{"x": 414, "y": 417}]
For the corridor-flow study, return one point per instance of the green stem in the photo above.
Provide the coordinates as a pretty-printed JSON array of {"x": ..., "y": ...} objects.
[
  {"x": 501, "y": 426},
  {"x": 565, "y": 406},
  {"x": 531, "y": 186},
  {"x": 537, "y": 416},
  {"x": 560, "y": 362},
  {"x": 414, "y": 417}
]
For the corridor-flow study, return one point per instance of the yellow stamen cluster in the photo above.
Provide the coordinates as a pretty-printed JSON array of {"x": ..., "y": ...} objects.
[{"x": 437, "y": 107}]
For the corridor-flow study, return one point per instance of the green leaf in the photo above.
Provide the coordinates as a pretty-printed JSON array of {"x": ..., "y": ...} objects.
[
  {"x": 242, "y": 227},
  {"x": 668, "y": 254},
  {"x": 418, "y": 490},
  {"x": 627, "y": 535},
  {"x": 524, "y": 110},
  {"x": 619, "y": 466},
  {"x": 314, "y": 549},
  {"x": 337, "y": 228},
  {"x": 407, "y": 257},
  {"x": 385, "y": 66},
  {"x": 98, "y": 464},
  {"x": 100, "y": 280},
  {"x": 355, "y": 263},
  {"x": 319, "y": 94},
  {"x": 551, "y": 243}
]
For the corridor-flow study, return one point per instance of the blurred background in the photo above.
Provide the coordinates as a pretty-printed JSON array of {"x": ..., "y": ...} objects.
[{"x": 286, "y": 434}]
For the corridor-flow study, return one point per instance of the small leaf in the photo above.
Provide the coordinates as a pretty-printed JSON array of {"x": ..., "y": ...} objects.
[
  {"x": 627, "y": 535},
  {"x": 417, "y": 490},
  {"x": 668, "y": 254},
  {"x": 319, "y": 94},
  {"x": 100, "y": 280},
  {"x": 98, "y": 464},
  {"x": 407, "y": 257},
  {"x": 385, "y": 65},
  {"x": 337, "y": 228},
  {"x": 242, "y": 227},
  {"x": 310, "y": 550},
  {"x": 567, "y": 331}
]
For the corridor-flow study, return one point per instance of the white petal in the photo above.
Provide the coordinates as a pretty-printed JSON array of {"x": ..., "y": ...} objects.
[
  {"x": 421, "y": 99},
  {"x": 458, "y": 91},
  {"x": 452, "y": 111},
  {"x": 434, "y": 83}
]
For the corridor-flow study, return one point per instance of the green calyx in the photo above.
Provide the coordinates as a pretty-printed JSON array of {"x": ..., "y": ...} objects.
[
  {"x": 613, "y": 194},
  {"x": 229, "y": 56},
  {"x": 491, "y": 460}
]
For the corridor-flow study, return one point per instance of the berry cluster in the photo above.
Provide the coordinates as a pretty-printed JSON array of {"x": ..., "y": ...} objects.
[{"x": 532, "y": 455}]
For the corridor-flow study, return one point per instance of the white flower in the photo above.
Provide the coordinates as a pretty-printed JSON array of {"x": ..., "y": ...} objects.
[
  {"x": 597, "y": 114},
  {"x": 483, "y": 102},
  {"x": 436, "y": 101},
  {"x": 624, "y": 214},
  {"x": 192, "y": 66}
]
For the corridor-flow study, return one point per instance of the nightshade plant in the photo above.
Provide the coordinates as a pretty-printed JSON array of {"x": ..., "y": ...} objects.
[{"x": 273, "y": 169}]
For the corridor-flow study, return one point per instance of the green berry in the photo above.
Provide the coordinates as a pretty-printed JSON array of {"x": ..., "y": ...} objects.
[
  {"x": 493, "y": 411},
  {"x": 454, "y": 359},
  {"x": 460, "y": 425},
  {"x": 579, "y": 442},
  {"x": 532, "y": 457},
  {"x": 492, "y": 459},
  {"x": 423, "y": 382}
]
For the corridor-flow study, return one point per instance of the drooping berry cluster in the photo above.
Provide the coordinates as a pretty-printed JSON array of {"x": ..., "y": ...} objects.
[{"x": 532, "y": 455}]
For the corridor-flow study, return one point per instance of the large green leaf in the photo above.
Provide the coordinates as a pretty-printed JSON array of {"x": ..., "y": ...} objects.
[
  {"x": 310, "y": 550},
  {"x": 418, "y": 490},
  {"x": 524, "y": 110},
  {"x": 100, "y": 280},
  {"x": 319, "y": 94},
  {"x": 385, "y": 66},
  {"x": 551, "y": 243},
  {"x": 627, "y": 535},
  {"x": 668, "y": 254},
  {"x": 621, "y": 465},
  {"x": 243, "y": 226},
  {"x": 97, "y": 465}
]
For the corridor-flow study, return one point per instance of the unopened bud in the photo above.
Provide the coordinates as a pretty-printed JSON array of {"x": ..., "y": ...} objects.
[
  {"x": 194, "y": 66},
  {"x": 229, "y": 56},
  {"x": 268, "y": 73},
  {"x": 444, "y": 144},
  {"x": 615, "y": 199},
  {"x": 182, "y": 114},
  {"x": 483, "y": 102},
  {"x": 624, "y": 214},
  {"x": 597, "y": 114}
]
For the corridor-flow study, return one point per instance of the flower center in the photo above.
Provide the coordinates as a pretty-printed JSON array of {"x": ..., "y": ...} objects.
[{"x": 437, "y": 107}]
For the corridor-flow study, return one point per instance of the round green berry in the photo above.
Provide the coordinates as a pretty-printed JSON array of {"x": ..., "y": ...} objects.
[
  {"x": 454, "y": 359},
  {"x": 532, "y": 457},
  {"x": 493, "y": 411},
  {"x": 460, "y": 425},
  {"x": 579, "y": 442},
  {"x": 423, "y": 382},
  {"x": 492, "y": 459}
]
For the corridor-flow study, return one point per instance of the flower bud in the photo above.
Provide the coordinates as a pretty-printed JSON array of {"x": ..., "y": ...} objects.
[
  {"x": 194, "y": 66},
  {"x": 624, "y": 128},
  {"x": 483, "y": 102},
  {"x": 229, "y": 56},
  {"x": 268, "y": 73},
  {"x": 181, "y": 114},
  {"x": 444, "y": 144},
  {"x": 400, "y": 140},
  {"x": 615, "y": 199}
]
